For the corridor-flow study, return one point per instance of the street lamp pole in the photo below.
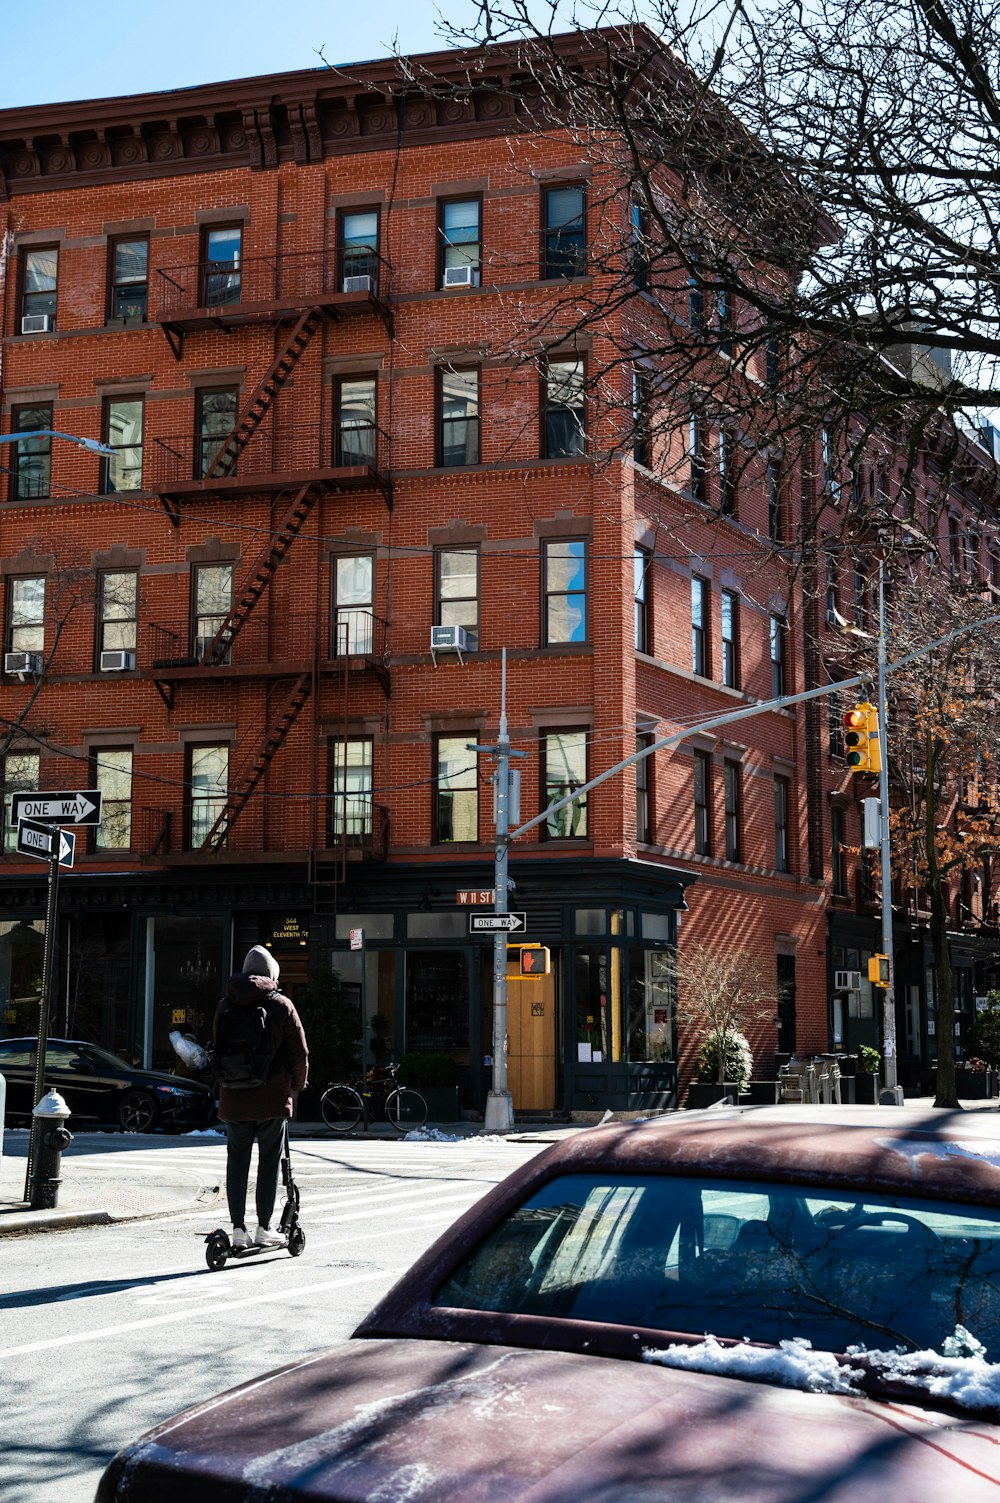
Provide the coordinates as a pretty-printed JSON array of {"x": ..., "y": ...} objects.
[
  {"x": 889, "y": 995},
  {"x": 92, "y": 445}
]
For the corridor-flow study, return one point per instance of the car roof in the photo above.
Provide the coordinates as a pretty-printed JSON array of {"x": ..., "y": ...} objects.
[{"x": 917, "y": 1151}]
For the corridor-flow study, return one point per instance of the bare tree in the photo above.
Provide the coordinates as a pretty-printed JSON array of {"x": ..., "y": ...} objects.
[{"x": 720, "y": 994}]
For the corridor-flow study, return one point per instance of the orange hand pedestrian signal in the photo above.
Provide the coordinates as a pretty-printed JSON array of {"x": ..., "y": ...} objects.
[{"x": 535, "y": 960}]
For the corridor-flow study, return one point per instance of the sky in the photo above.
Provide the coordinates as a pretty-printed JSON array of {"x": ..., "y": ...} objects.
[{"x": 119, "y": 47}]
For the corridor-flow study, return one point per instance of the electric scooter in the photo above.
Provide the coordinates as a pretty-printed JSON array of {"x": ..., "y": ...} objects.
[{"x": 219, "y": 1249}]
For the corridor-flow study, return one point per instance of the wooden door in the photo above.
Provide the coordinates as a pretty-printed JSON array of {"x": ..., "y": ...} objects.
[{"x": 531, "y": 1054}]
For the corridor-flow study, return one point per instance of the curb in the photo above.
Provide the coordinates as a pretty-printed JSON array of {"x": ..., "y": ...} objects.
[{"x": 26, "y": 1223}]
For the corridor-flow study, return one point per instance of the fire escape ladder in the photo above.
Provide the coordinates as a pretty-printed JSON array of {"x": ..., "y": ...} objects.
[
  {"x": 258, "y": 764},
  {"x": 258, "y": 404},
  {"x": 261, "y": 574}
]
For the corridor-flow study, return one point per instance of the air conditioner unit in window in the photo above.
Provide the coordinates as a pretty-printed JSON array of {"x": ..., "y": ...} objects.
[
  {"x": 37, "y": 323},
  {"x": 449, "y": 639},
  {"x": 22, "y": 665},
  {"x": 847, "y": 981},
  {"x": 117, "y": 660},
  {"x": 357, "y": 284},
  {"x": 461, "y": 276}
]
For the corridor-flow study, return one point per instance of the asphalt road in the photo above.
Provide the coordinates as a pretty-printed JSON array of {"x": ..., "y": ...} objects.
[{"x": 105, "y": 1330}]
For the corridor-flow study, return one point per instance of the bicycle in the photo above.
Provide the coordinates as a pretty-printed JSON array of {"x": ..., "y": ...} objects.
[{"x": 345, "y": 1103}]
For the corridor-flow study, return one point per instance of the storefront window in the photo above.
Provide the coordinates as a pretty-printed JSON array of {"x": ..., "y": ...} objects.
[
  {"x": 437, "y": 1001},
  {"x": 652, "y": 1017},
  {"x": 380, "y": 997},
  {"x": 599, "y": 1013},
  {"x": 187, "y": 971},
  {"x": 21, "y": 947},
  {"x": 100, "y": 959}
]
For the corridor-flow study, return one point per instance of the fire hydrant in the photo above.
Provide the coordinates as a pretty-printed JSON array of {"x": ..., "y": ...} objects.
[{"x": 51, "y": 1139}]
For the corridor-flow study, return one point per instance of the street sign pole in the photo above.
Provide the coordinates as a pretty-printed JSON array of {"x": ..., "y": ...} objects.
[
  {"x": 499, "y": 1115},
  {"x": 889, "y": 995},
  {"x": 45, "y": 1006}
]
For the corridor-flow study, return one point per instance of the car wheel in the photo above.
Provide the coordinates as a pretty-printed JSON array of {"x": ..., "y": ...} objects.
[{"x": 137, "y": 1111}]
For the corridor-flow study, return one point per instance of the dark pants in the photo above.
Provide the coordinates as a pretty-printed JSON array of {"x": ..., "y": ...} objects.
[{"x": 270, "y": 1136}]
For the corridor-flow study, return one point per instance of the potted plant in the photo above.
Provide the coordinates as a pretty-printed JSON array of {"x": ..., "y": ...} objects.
[
  {"x": 973, "y": 1079},
  {"x": 976, "y": 1079},
  {"x": 436, "y": 1077},
  {"x": 725, "y": 1063},
  {"x": 866, "y": 1081}
]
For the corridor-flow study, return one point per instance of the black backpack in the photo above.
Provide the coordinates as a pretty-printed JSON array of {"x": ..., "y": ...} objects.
[{"x": 244, "y": 1046}]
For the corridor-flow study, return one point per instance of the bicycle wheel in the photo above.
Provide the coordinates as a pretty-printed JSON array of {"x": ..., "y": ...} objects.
[
  {"x": 405, "y": 1109},
  {"x": 341, "y": 1107}
]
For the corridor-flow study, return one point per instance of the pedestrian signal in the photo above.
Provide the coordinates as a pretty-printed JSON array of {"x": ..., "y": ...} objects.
[
  {"x": 861, "y": 743},
  {"x": 878, "y": 970},
  {"x": 531, "y": 960}
]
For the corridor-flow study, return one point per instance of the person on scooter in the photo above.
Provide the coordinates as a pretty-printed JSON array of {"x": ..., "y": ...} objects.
[{"x": 255, "y": 1101}]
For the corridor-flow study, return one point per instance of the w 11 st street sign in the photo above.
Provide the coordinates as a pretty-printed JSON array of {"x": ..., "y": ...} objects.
[
  {"x": 497, "y": 923},
  {"x": 45, "y": 841},
  {"x": 74, "y": 808}
]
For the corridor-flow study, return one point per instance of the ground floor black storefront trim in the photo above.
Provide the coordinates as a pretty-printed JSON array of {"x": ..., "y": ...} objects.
[{"x": 142, "y": 953}]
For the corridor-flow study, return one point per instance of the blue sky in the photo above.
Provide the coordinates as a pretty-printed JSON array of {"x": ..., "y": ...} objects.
[{"x": 120, "y": 47}]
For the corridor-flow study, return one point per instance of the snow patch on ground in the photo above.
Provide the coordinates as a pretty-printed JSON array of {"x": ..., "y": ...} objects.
[
  {"x": 204, "y": 1132},
  {"x": 793, "y": 1364},
  {"x": 435, "y": 1135}
]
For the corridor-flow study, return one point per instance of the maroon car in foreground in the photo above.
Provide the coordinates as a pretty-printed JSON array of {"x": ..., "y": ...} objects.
[{"x": 770, "y": 1306}]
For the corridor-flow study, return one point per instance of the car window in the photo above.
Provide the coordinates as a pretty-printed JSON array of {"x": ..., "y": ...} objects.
[
  {"x": 15, "y": 1051},
  {"x": 754, "y": 1261},
  {"x": 103, "y": 1060},
  {"x": 59, "y": 1057}
]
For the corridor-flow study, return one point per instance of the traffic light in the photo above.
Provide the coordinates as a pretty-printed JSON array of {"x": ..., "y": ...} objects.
[
  {"x": 535, "y": 960},
  {"x": 878, "y": 970},
  {"x": 863, "y": 751}
]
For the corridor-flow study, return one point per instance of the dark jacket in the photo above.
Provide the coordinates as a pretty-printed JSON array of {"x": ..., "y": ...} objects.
[{"x": 290, "y": 1067}]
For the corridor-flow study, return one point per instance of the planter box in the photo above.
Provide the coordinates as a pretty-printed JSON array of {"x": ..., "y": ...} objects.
[
  {"x": 442, "y": 1103},
  {"x": 700, "y": 1094},
  {"x": 762, "y": 1092},
  {"x": 974, "y": 1085},
  {"x": 866, "y": 1089}
]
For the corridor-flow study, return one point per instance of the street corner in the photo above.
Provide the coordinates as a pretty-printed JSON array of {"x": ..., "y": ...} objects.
[{"x": 105, "y": 1203}]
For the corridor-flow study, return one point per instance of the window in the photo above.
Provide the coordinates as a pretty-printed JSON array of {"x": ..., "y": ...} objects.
[
  {"x": 727, "y": 472},
  {"x": 733, "y": 779},
  {"x": 772, "y": 361},
  {"x": 355, "y": 435},
  {"x": 461, "y": 243},
  {"x": 117, "y": 611},
  {"x": 212, "y": 598},
  {"x": 112, "y": 770},
  {"x": 129, "y": 279},
  {"x": 643, "y": 790},
  {"x": 699, "y": 626},
  {"x": 31, "y": 467},
  {"x": 39, "y": 281},
  {"x": 861, "y": 598},
  {"x": 782, "y": 789},
  {"x": 221, "y": 257},
  {"x": 774, "y": 501},
  {"x": 777, "y": 629},
  {"x": 698, "y": 457},
  {"x": 702, "y": 767},
  {"x": 838, "y": 860},
  {"x": 565, "y": 429},
  {"x": 831, "y": 482},
  {"x": 730, "y": 638},
  {"x": 696, "y": 298},
  {"x": 351, "y": 797},
  {"x": 26, "y": 618},
  {"x": 456, "y": 787},
  {"x": 209, "y": 785},
  {"x": 353, "y": 602},
  {"x": 564, "y": 235},
  {"x": 642, "y": 415},
  {"x": 458, "y": 405},
  {"x": 20, "y": 775},
  {"x": 640, "y": 247},
  {"x": 564, "y": 567},
  {"x": 359, "y": 250},
  {"x": 642, "y": 565},
  {"x": 564, "y": 769},
  {"x": 457, "y": 573},
  {"x": 724, "y": 320},
  {"x": 832, "y": 591},
  {"x": 123, "y": 433},
  {"x": 215, "y": 418},
  {"x": 954, "y": 543}
]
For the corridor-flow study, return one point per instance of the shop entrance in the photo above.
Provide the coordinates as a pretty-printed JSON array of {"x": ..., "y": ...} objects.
[{"x": 531, "y": 1054}]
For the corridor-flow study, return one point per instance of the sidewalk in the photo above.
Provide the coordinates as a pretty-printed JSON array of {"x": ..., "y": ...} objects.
[{"x": 96, "y": 1189}]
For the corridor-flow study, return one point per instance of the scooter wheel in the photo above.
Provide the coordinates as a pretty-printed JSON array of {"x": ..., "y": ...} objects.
[
  {"x": 216, "y": 1253},
  {"x": 296, "y": 1242}
]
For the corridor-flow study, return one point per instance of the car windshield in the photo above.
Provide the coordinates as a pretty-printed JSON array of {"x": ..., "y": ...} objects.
[{"x": 754, "y": 1261}]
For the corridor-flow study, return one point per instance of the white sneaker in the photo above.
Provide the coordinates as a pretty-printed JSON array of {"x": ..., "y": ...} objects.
[
  {"x": 240, "y": 1237},
  {"x": 266, "y": 1238}
]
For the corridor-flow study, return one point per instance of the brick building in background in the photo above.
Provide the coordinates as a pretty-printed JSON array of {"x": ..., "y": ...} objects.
[{"x": 281, "y": 301}]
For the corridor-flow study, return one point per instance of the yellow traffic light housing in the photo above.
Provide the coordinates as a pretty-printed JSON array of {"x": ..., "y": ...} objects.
[
  {"x": 530, "y": 960},
  {"x": 862, "y": 747},
  {"x": 878, "y": 970}
]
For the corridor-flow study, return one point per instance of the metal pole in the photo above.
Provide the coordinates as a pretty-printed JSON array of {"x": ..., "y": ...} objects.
[
  {"x": 45, "y": 1002},
  {"x": 364, "y": 1026},
  {"x": 499, "y": 1106},
  {"x": 889, "y": 999}
]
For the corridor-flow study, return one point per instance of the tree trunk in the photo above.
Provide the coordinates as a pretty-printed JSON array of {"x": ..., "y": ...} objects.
[{"x": 945, "y": 1093}]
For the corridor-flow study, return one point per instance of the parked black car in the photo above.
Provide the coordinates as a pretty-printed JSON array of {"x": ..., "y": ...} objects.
[{"x": 99, "y": 1087}]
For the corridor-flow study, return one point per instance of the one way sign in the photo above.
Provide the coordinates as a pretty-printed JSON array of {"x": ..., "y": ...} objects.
[
  {"x": 497, "y": 923},
  {"x": 44, "y": 841},
  {"x": 74, "y": 808}
]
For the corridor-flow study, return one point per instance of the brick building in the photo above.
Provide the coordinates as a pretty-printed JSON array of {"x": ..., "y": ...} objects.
[{"x": 283, "y": 302}]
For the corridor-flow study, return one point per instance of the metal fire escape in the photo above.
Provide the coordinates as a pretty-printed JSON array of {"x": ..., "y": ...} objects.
[
  {"x": 254, "y": 768},
  {"x": 259, "y": 402}
]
